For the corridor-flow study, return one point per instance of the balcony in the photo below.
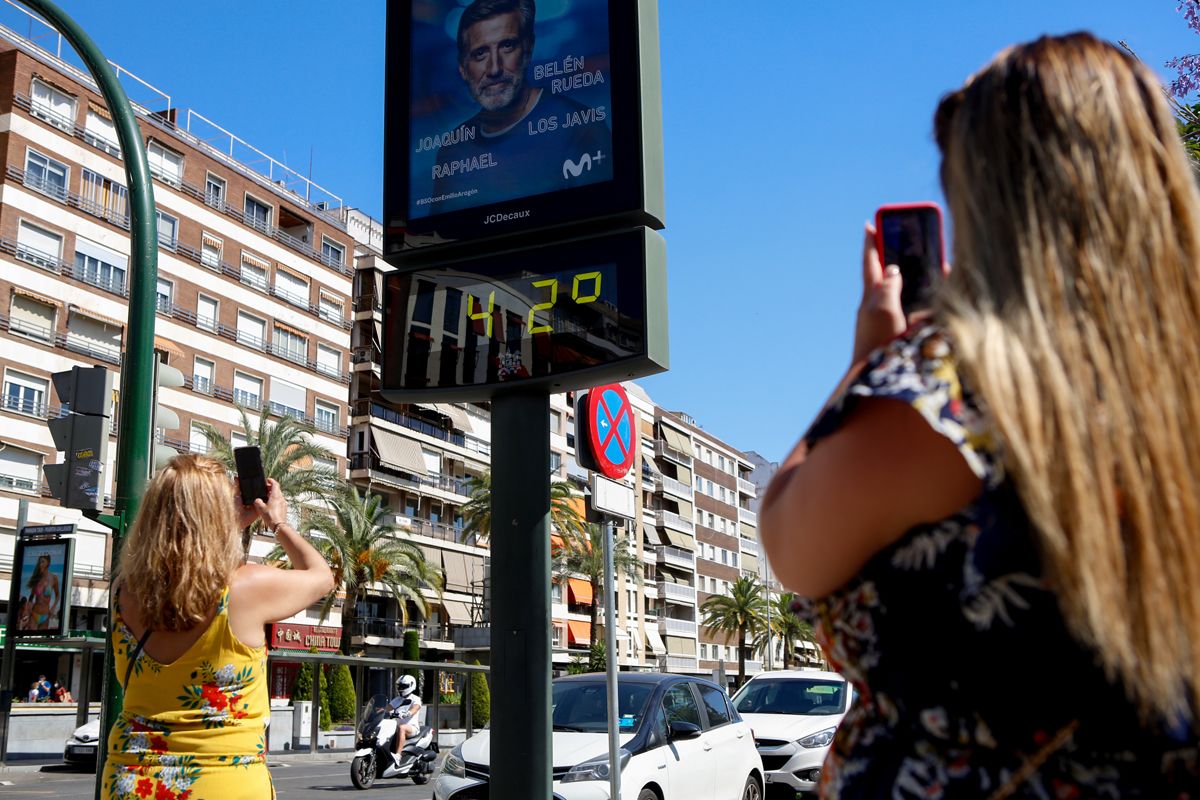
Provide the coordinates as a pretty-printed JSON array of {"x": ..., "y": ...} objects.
[
  {"x": 676, "y": 556},
  {"x": 672, "y": 486},
  {"x": 682, "y": 663},
  {"x": 753, "y": 667},
  {"x": 434, "y": 530},
  {"x": 749, "y": 546},
  {"x": 747, "y": 516},
  {"x": 669, "y": 519},
  {"x": 387, "y": 628},
  {"x": 662, "y": 449},
  {"x": 677, "y": 592},
  {"x": 650, "y": 590},
  {"x": 676, "y": 627},
  {"x": 472, "y": 443},
  {"x": 746, "y": 487}
]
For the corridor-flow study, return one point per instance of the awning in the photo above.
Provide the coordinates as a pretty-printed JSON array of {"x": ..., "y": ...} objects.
[
  {"x": 433, "y": 556},
  {"x": 655, "y": 641},
  {"x": 170, "y": 348},
  {"x": 41, "y": 298},
  {"x": 457, "y": 416},
  {"x": 579, "y": 632},
  {"x": 677, "y": 440},
  {"x": 679, "y": 539},
  {"x": 581, "y": 590},
  {"x": 255, "y": 261},
  {"x": 681, "y": 645},
  {"x": 750, "y": 563},
  {"x": 458, "y": 573},
  {"x": 211, "y": 241},
  {"x": 290, "y": 329},
  {"x": 99, "y": 110},
  {"x": 650, "y": 463},
  {"x": 74, "y": 309},
  {"x": 398, "y": 452},
  {"x": 458, "y": 611}
]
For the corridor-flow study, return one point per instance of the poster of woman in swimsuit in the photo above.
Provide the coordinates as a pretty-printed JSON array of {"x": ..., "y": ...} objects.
[{"x": 44, "y": 587}]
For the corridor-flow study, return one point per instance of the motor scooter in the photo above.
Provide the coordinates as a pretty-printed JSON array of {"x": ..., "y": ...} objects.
[{"x": 377, "y": 732}]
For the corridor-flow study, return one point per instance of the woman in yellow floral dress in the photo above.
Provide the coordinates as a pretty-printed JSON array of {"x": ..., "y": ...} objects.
[{"x": 188, "y": 622}]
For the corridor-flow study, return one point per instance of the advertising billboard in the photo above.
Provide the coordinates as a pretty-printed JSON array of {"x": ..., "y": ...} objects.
[
  {"x": 564, "y": 316},
  {"x": 43, "y": 573},
  {"x": 510, "y": 115}
]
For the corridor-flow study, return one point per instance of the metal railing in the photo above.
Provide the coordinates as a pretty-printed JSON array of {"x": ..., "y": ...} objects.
[
  {"x": 677, "y": 592},
  {"x": 749, "y": 546},
  {"x": 670, "y": 519},
  {"x": 747, "y": 516},
  {"x": 683, "y": 663},
  {"x": 672, "y": 486},
  {"x": 746, "y": 487},
  {"x": 387, "y": 628},
  {"x": 666, "y": 451},
  {"x": 683, "y": 627},
  {"x": 677, "y": 556}
]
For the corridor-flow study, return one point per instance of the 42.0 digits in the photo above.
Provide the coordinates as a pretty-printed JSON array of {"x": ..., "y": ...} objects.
[{"x": 585, "y": 288}]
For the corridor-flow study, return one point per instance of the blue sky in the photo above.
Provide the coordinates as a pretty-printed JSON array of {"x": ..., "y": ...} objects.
[{"x": 787, "y": 122}]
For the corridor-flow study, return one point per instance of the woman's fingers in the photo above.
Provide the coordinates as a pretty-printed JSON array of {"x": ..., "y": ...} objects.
[{"x": 871, "y": 266}]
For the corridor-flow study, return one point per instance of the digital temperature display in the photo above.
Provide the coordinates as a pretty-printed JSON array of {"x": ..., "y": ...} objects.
[{"x": 561, "y": 316}]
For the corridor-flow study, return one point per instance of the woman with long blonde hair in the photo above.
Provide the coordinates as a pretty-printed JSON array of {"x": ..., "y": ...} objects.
[
  {"x": 995, "y": 520},
  {"x": 188, "y": 620}
]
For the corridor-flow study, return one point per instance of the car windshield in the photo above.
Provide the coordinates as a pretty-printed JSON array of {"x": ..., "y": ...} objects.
[
  {"x": 791, "y": 696},
  {"x": 582, "y": 707}
]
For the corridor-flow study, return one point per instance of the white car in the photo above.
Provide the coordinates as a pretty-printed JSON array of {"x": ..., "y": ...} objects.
[
  {"x": 82, "y": 746},
  {"x": 794, "y": 714},
  {"x": 680, "y": 738}
]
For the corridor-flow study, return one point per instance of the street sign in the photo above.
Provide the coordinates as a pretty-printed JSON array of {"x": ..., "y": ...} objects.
[
  {"x": 610, "y": 497},
  {"x": 612, "y": 430},
  {"x": 566, "y": 130},
  {"x": 40, "y": 531}
]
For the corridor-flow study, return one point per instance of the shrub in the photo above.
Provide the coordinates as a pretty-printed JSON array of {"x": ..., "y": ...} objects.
[
  {"x": 412, "y": 652},
  {"x": 481, "y": 699},
  {"x": 341, "y": 695}
]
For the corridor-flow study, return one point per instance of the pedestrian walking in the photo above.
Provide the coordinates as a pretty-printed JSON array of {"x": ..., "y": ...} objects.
[
  {"x": 994, "y": 519},
  {"x": 188, "y": 635}
]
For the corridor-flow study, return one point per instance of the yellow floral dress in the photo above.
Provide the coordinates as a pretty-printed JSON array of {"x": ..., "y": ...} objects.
[{"x": 194, "y": 729}]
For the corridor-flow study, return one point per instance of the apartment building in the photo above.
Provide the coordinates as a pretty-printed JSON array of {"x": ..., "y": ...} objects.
[{"x": 254, "y": 293}]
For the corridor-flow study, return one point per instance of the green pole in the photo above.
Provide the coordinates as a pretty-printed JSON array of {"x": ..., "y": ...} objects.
[
  {"x": 521, "y": 756},
  {"x": 137, "y": 368}
]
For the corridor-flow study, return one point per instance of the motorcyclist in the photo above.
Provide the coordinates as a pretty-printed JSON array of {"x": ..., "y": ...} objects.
[{"x": 406, "y": 707}]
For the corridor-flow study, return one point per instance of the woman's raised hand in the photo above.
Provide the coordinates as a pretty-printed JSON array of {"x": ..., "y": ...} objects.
[{"x": 880, "y": 316}]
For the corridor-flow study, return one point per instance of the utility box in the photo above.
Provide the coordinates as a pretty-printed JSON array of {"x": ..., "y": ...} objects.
[{"x": 301, "y": 722}]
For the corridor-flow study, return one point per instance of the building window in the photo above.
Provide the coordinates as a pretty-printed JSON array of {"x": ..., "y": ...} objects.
[
  {"x": 20, "y": 470},
  {"x": 25, "y": 394},
  {"x": 104, "y": 198},
  {"x": 555, "y": 461},
  {"x": 331, "y": 310},
  {"x": 165, "y": 164},
  {"x": 197, "y": 441},
  {"x": 210, "y": 251},
  {"x": 556, "y": 636},
  {"x": 31, "y": 318},
  {"x": 46, "y": 175},
  {"x": 202, "y": 375},
  {"x": 237, "y": 439},
  {"x": 206, "y": 312},
  {"x": 168, "y": 230},
  {"x": 94, "y": 337},
  {"x": 164, "y": 294},
  {"x": 326, "y": 417},
  {"x": 251, "y": 331},
  {"x": 291, "y": 288},
  {"x": 257, "y": 214},
  {"x": 254, "y": 272},
  {"x": 556, "y": 592},
  {"x": 52, "y": 105},
  {"x": 100, "y": 132},
  {"x": 247, "y": 391},
  {"x": 332, "y": 253},
  {"x": 100, "y": 267},
  {"x": 329, "y": 361},
  {"x": 290, "y": 345},
  {"x": 214, "y": 191},
  {"x": 703, "y": 650},
  {"x": 39, "y": 246},
  {"x": 287, "y": 399}
]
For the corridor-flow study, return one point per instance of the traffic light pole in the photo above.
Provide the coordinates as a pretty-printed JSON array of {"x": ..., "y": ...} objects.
[
  {"x": 521, "y": 755},
  {"x": 137, "y": 367}
]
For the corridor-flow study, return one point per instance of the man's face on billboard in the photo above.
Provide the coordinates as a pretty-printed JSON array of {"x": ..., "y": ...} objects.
[{"x": 494, "y": 66}]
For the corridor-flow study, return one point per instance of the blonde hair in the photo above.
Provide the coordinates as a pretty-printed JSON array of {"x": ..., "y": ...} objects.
[
  {"x": 1075, "y": 308},
  {"x": 184, "y": 544}
]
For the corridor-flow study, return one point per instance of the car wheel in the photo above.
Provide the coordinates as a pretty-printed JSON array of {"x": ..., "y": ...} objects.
[
  {"x": 647, "y": 794},
  {"x": 752, "y": 791}
]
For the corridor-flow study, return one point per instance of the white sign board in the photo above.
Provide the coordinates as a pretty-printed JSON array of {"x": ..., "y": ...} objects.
[{"x": 613, "y": 498}]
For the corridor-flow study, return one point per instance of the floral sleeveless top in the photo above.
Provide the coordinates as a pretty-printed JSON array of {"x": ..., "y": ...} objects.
[
  {"x": 194, "y": 729},
  {"x": 965, "y": 671}
]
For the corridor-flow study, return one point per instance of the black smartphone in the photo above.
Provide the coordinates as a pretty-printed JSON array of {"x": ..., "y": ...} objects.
[
  {"x": 251, "y": 479},
  {"x": 909, "y": 235}
]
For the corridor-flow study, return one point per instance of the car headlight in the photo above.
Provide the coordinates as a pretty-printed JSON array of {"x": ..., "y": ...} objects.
[
  {"x": 454, "y": 764},
  {"x": 594, "y": 769},
  {"x": 818, "y": 739}
]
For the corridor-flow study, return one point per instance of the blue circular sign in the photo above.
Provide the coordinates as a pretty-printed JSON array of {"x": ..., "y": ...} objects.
[{"x": 612, "y": 433}]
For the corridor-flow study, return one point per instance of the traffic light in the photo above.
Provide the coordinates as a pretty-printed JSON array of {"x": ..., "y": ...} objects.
[
  {"x": 165, "y": 419},
  {"x": 82, "y": 436}
]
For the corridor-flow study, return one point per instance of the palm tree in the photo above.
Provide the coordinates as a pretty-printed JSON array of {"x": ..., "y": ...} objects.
[
  {"x": 582, "y": 553},
  {"x": 362, "y": 549},
  {"x": 477, "y": 512},
  {"x": 742, "y": 612},
  {"x": 785, "y": 625},
  {"x": 288, "y": 456}
]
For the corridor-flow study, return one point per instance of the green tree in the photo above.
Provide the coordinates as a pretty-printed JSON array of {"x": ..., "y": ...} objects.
[
  {"x": 786, "y": 626},
  {"x": 477, "y": 512},
  {"x": 303, "y": 691},
  {"x": 481, "y": 699},
  {"x": 288, "y": 456},
  {"x": 362, "y": 550},
  {"x": 594, "y": 662},
  {"x": 342, "y": 702},
  {"x": 740, "y": 613},
  {"x": 582, "y": 553},
  {"x": 412, "y": 652}
]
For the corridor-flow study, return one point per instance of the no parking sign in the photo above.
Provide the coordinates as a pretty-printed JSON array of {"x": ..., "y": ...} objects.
[{"x": 605, "y": 431}]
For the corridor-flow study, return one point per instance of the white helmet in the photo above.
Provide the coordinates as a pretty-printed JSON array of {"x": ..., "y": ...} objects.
[{"x": 406, "y": 685}]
